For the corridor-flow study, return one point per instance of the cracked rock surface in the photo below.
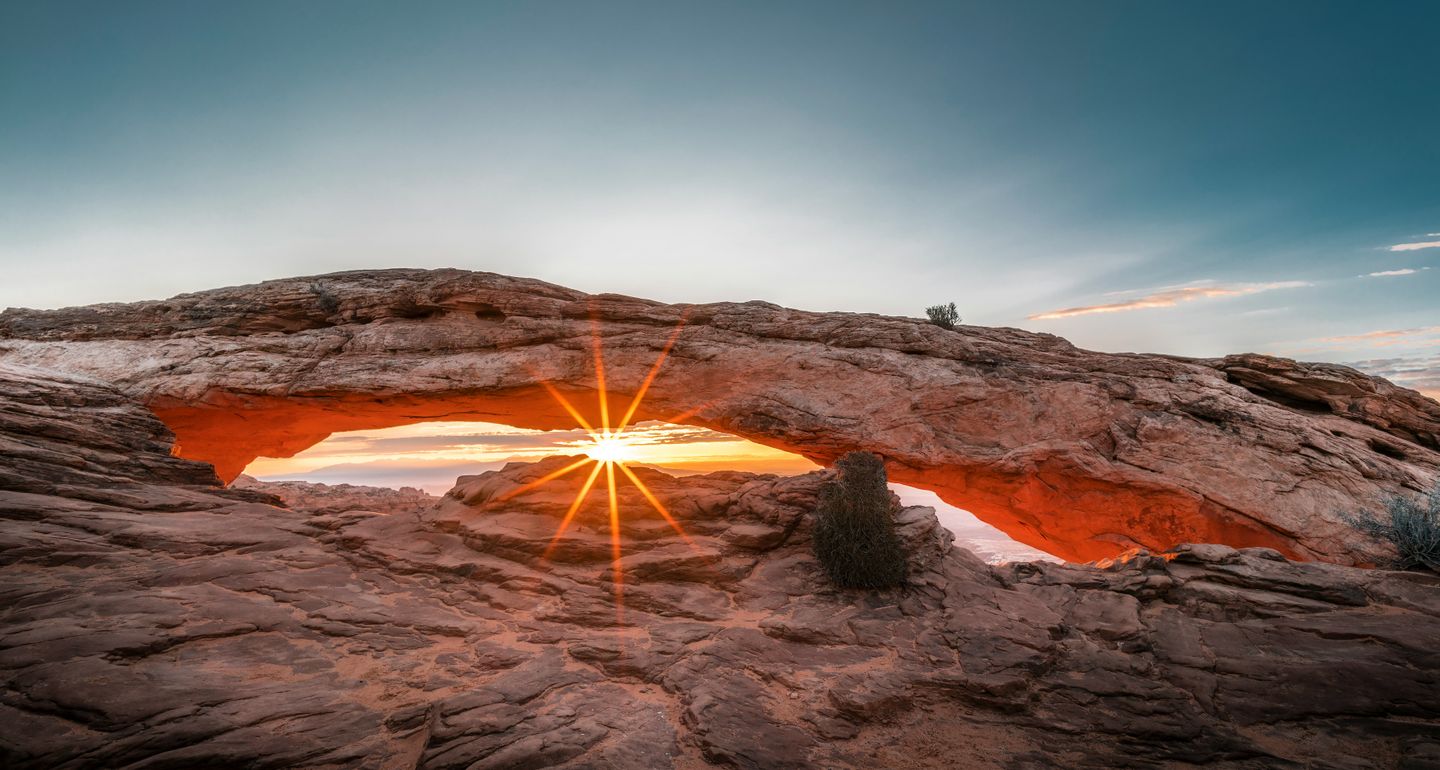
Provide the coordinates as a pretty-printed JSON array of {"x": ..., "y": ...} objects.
[
  {"x": 152, "y": 618},
  {"x": 1078, "y": 453}
]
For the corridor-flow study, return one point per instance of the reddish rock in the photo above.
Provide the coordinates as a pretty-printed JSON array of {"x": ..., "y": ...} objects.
[
  {"x": 335, "y": 498},
  {"x": 1079, "y": 453},
  {"x": 149, "y": 617}
]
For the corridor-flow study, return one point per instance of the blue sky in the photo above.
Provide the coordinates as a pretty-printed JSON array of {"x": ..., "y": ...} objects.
[{"x": 1222, "y": 176}]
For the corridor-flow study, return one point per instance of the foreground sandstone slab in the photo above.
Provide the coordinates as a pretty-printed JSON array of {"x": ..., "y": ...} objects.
[
  {"x": 1077, "y": 453},
  {"x": 151, "y": 618}
]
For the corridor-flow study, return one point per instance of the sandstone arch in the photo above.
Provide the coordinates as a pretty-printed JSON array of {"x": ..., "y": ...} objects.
[{"x": 1080, "y": 453}]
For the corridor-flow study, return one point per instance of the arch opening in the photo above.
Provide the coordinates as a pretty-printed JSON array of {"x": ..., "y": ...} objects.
[
  {"x": 1038, "y": 498},
  {"x": 429, "y": 456}
]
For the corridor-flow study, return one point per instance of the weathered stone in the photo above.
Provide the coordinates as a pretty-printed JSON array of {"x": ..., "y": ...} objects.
[
  {"x": 181, "y": 626},
  {"x": 339, "y": 498},
  {"x": 1079, "y": 453}
]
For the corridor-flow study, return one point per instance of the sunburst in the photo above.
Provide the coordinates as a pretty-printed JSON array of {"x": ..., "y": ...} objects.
[{"x": 609, "y": 448}]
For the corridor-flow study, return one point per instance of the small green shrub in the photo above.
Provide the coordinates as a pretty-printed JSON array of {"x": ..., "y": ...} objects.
[
  {"x": 943, "y": 316},
  {"x": 855, "y": 538},
  {"x": 1411, "y": 525}
]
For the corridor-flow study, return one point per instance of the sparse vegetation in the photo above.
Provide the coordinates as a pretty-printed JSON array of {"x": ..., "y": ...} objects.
[
  {"x": 943, "y": 316},
  {"x": 1411, "y": 525},
  {"x": 855, "y": 537},
  {"x": 327, "y": 301}
]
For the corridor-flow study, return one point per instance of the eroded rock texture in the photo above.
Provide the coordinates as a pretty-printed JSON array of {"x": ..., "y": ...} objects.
[
  {"x": 1081, "y": 454},
  {"x": 150, "y": 618},
  {"x": 335, "y": 498}
]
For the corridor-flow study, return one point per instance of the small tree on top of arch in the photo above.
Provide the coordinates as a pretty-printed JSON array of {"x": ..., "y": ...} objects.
[{"x": 943, "y": 316}]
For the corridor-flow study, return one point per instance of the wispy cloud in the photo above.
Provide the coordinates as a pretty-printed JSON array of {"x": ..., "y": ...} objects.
[
  {"x": 1170, "y": 296},
  {"x": 1416, "y": 246},
  {"x": 1387, "y": 337},
  {"x": 1397, "y": 271},
  {"x": 510, "y": 441},
  {"x": 439, "y": 448},
  {"x": 1421, "y": 373},
  {"x": 372, "y": 444}
]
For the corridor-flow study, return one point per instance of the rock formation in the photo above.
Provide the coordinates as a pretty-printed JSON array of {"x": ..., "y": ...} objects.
[
  {"x": 1079, "y": 453},
  {"x": 337, "y": 498},
  {"x": 150, "y": 617}
]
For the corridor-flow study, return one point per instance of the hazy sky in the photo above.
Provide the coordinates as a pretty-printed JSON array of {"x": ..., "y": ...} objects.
[
  {"x": 430, "y": 455},
  {"x": 1218, "y": 176}
]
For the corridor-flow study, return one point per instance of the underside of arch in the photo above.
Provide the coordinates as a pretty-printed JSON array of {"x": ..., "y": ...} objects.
[{"x": 231, "y": 436}]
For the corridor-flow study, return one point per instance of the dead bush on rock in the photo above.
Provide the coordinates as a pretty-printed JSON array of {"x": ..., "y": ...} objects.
[{"x": 1411, "y": 525}]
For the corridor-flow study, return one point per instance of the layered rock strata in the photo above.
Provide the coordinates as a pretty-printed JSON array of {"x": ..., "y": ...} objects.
[
  {"x": 151, "y": 618},
  {"x": 1078, "y": 453}
]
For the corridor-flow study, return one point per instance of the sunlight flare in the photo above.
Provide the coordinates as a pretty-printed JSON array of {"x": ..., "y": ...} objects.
[
  {"x": 618, "y": 574},
  {"x": 611, "y": 449},
  {"x": 565, "y": 403},
  {"x": 600, "y": 379},
  {"x": 649, "y": 378},
  {"x": 665, "y": 512},
  {"x": 608, "y": 449},
  {"x": 573, "y": 509},
  {"x": 546, "y": 478}
]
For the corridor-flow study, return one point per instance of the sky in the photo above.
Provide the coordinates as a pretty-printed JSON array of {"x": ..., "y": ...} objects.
[
  {"x": 1188, "y": 178},
  {"x": 1184, "y": 178},
  {"x": 430, "y": 455}
]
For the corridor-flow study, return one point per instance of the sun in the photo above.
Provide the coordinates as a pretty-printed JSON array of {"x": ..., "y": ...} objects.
[{"x": 609, "y": 449}]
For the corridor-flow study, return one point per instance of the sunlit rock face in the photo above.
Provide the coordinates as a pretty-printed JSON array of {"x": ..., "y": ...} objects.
[
  {"x": 1078, "y": 453},
  {"x": 322, "y": 498},
  {"x": 152, "y": 618}
]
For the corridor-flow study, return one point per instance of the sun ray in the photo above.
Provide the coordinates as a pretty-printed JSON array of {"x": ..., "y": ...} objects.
[
  {"x": 560, "y": 398},
  {"x": 678, "y": 419},
  {"x": 574, "y": 508},
  {"x": 618, "y": 576},
  {"x": 658, "y": 506},
  {"x": 609, "y": 451},
  {"x": 600, "y": 378},
  {"x": 546, "y": 478},
  {"x": 650, "y": 378}
]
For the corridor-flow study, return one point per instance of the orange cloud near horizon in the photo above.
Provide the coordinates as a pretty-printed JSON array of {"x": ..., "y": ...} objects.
[
  {"x": 1387, "y": 337},
  {"x": 1169, "y": 297},
  {"x": 454, "y": 444}
]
